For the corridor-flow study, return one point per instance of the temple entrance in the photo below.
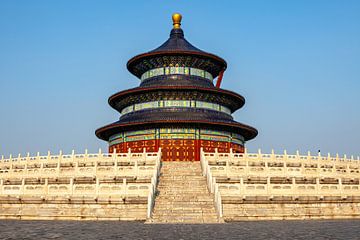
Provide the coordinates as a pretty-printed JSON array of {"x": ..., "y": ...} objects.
[{"x": 178, "y": 150}]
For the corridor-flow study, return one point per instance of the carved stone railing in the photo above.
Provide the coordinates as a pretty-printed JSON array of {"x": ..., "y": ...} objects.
[
  {"x": 87, "y": 164},
  {"x": 211, "y": 183},
  {"x": 112, "y": 176},
  {"x": 283, "y": 175}
]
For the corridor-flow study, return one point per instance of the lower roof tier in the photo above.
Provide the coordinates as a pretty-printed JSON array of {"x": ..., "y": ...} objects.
[
  {"x": 226, "y": 98},
  {"x": 107, "y": 131}
]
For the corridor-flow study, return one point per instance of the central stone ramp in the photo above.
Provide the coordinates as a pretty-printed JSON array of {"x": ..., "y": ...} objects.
[{"x": 183, "y": 196}]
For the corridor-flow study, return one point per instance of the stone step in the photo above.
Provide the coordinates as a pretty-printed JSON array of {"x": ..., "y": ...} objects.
[
  {"x": 180, "y": 203},
  {"x": 184, "y": 221},
  {"x": 182, "y": 208},
  {"x": 181, "y": 213},
  {"x": 183, "y": 196},
  {"x": 181, "y": 186},
  {"x": 180, "y": 190}
]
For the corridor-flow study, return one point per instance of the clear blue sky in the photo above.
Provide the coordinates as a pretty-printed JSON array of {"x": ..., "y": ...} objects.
[{"x": 297, "y": 63}]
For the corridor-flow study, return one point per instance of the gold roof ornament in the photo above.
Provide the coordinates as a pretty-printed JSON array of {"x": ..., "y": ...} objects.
[{"x": 176, "y": 17}]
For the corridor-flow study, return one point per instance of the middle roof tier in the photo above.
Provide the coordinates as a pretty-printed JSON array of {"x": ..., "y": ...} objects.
[{"x": 225, "y": 98}]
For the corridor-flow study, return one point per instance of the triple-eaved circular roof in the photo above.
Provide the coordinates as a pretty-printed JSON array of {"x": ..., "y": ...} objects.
[{"x": 176, "y": 52}]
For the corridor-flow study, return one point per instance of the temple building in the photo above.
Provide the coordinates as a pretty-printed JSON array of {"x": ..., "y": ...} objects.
[
  {"x": 177, "y": 107},
  {"x": 178, "y": 156}
]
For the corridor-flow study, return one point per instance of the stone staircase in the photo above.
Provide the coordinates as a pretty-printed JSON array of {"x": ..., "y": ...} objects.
[{"x": 182, "y": 195}]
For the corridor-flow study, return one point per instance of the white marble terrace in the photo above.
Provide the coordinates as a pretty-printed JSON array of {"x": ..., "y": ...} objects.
[
  {"x": 280, "y": 176},
  {"x": 98, "y": 176}
]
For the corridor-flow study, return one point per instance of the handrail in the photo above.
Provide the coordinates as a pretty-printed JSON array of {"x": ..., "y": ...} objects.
[
  {"x": 154, "y": 182},
  {"x": 285, "y": 157},
  {"x": 211, "y": 183},
  {"x": 75, "y": 158}
]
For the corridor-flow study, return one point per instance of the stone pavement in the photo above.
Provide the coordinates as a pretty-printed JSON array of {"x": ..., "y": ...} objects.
[{"x": 89, "y": 230}]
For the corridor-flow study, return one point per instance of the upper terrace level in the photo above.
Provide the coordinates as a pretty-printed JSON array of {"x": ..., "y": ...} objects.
[{"x": 286, "y": 165}]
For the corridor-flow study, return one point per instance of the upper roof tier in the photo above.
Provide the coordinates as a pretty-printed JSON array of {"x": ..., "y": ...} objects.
[{"x": 176, "y": 51}]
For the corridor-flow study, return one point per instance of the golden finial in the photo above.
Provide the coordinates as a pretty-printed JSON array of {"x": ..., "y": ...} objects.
[{"x": 176, "y": 17}]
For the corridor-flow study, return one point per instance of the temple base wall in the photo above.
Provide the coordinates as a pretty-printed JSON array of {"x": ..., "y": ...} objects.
[
  {"x": 73, "y": 211},
  {"x": 290, "y": 211},
  {"x": 137, "y": 212},
  {"x": 177, "y": 149}
]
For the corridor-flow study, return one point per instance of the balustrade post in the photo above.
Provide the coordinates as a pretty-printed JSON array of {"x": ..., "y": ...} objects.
[
  {"x": 272, "y": 157},
  {"x": 348, "y": 165},
  {"x": 284, "y": 168},
  {"x": 216, "y": 154},
  {"x": 241, "y": 188},
  {"x": 136, "y": 167},
  {"x": 341, "y": 187},
  {"x": 27, "y": 162},
  {"x": 100, "y": 157},
  {"x": 60, "y": 154},
  {"x": 297, "y": 155},
  {"x": 318, "y": 163},
  {"x": 259, "y": 154},
  {"x": 11, "y": 165},
  {"x": 59, "y": 163},
  {"x": 268, "y": 185},
  {"x": 72, "y": 155},
  {"x": 309, "y": 156},
  {"x": 114, "y": 155},
  {"x": 159, "y": 154},
  {"x": 302, "y": 167}
]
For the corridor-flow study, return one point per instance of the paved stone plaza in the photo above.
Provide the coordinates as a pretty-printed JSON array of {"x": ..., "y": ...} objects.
[{"x": 135, "y": 230}]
